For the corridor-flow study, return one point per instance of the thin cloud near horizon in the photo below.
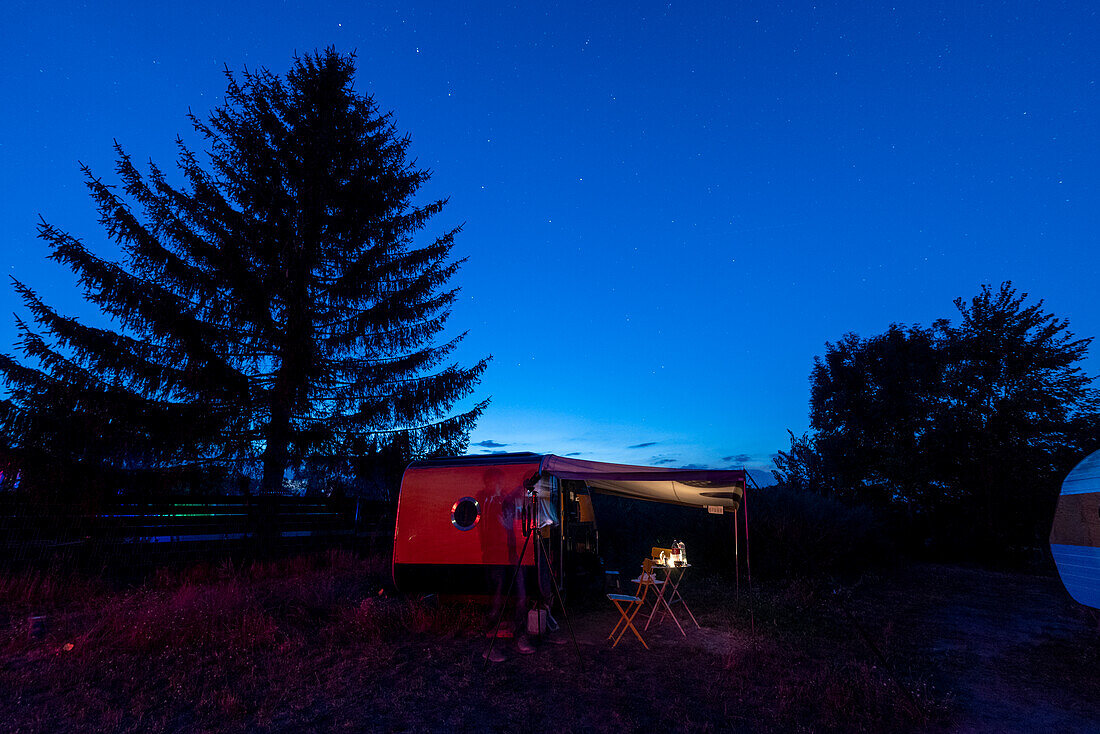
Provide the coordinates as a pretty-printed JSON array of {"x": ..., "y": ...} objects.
[{"x": 490, "y": 444}]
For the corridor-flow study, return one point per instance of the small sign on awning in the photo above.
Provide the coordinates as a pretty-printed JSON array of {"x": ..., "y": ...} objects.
[{"x": 716, "y": 509}]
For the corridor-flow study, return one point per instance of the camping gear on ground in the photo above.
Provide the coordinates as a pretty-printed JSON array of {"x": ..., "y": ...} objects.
[
  {"x": 1075, "y": 532},
  {"x": 538, "y": 621}
]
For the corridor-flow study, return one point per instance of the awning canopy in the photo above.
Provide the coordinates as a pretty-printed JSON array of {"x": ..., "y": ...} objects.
[{"x": 688, "y": 487}]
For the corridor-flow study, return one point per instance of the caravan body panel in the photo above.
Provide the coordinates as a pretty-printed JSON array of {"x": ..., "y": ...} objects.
[{"x": 459, "y": 523}]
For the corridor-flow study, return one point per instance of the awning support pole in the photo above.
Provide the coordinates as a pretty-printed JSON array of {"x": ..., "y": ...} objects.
[
  {"x": 736, "y": 557},
  {"x": 748, "y": 560}
]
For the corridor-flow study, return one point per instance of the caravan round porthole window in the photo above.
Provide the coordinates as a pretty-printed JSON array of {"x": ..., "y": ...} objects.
[{"x": 465, "y": 513}]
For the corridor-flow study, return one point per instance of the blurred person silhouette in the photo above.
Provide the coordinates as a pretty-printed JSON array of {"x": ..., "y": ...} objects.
[{"x": 504, "y": 504}]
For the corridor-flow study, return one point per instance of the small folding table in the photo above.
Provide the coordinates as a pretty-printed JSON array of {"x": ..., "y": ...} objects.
[{"x": 668, "y": 593}]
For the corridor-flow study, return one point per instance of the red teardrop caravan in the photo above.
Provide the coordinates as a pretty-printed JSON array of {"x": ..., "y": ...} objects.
[
  {"x": 458, "y": 521},
  {"x": 461, "y": 520}
]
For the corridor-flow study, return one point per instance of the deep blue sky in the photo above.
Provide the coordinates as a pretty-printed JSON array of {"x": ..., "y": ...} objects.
[{"x": 669, "y": 208}]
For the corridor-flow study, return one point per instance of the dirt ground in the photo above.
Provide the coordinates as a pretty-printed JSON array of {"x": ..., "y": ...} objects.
[
  {"x": 1014, "y": 651},
  {"x": 316, "y": 647}
]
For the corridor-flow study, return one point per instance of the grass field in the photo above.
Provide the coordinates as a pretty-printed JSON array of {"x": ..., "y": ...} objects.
[{"x": 323, "y": 644}]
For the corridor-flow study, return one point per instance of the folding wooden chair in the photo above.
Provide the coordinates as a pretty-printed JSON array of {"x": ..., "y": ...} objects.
[
  {"x": 657, "y": 551},
  {"x": 634, "y": 603},
  {"x": 647, "y": 580}
]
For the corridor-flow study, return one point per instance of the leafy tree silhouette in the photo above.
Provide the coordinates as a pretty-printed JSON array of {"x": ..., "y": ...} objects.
[{"x": 966, "y": 427}]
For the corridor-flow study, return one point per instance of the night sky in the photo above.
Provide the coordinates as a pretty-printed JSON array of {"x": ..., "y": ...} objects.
[{"x": 669, "y": 208}]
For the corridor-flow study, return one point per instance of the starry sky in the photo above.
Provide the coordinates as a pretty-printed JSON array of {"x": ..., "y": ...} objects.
[{"x": 669, "y": 207}]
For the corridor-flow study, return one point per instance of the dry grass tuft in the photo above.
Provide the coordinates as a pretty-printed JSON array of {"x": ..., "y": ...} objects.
[
  {"x": 36, "y": 591},
  {"x": 384, "y": 618}
]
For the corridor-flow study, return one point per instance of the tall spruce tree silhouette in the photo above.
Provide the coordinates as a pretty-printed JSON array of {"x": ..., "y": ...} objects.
[{"x": 274, "y": 307}]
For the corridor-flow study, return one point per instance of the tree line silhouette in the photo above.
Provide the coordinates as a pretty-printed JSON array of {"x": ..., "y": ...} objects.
[{"x": 961, "y": 432}]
